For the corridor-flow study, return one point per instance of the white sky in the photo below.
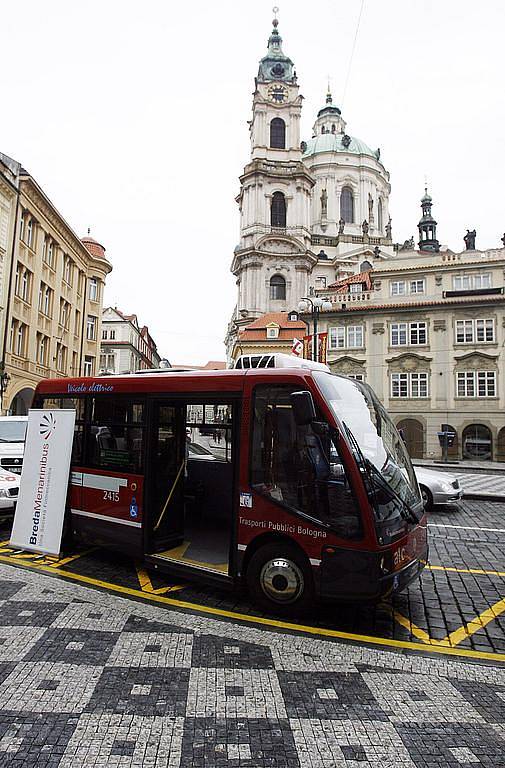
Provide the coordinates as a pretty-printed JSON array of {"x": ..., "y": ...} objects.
[{"x": 133, "y": 118}]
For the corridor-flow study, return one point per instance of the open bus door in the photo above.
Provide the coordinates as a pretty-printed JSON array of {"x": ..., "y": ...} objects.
[{"x": 165, "y": 476}]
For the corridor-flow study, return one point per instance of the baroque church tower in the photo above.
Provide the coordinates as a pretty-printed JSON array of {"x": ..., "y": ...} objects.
[
  {"x": 273, "y": 260},
  {"x": 311, "y": 212}
]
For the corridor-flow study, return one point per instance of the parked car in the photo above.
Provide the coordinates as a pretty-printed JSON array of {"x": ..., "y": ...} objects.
[
  {"x": 9, "y": 490},
  {"x": 12, "y": 442},
  {"x": 438, "y": 487}
]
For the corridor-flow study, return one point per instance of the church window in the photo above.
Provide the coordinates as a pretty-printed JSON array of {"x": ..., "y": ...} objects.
[
  {"x": 347, "y": 205},
  {"x": 278, "y": 210},
  {"x": 277, "y": 288},
  {"x": 379, "y": 215},
  {"x": 333, "y": 127},
  {"x": 277, "y": 133}
]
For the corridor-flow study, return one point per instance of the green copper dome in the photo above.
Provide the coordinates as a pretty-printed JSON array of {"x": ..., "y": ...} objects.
[{"x": 338, "y": 142}]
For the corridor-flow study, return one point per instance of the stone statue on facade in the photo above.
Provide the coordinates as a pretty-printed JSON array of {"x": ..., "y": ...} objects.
[
  {"x": 341, "y": 225},
  {"x": 370, "y": 208},
  {"x": 324, "y": 203},
  {"x": 376, "y": 251},
  {"x": 388, "y": 229},
  {"x": 365, "y": 227},
  {"x": 408, "y": 245},
  {"x": 469, "y": 239},
  {"x": 503, "y": 239}
]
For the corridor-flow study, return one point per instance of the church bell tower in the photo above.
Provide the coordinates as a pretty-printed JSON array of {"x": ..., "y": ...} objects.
[{"x": 272, "y": 261}]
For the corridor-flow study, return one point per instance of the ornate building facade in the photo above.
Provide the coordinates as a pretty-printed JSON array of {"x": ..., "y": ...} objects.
[
  {"x": 126, "y": 345},
  {"x": 52, "y": 288},
  {"x": 425, "y": 327}
]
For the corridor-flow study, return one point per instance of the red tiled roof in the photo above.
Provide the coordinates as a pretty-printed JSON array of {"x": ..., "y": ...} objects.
[
  {"x": 281, "y": 318},
  {"x": 361, "y": 277}
]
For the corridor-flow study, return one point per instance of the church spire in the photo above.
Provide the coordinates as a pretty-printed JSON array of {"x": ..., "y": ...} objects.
[
  {"x": 427, "y": 226},
  {"x": 276, "y": 65}
]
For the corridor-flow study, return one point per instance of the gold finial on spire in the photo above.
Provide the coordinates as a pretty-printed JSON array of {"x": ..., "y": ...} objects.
[
  {"x": 329, "y": 98},
  {"x": 275, "y": 22}
]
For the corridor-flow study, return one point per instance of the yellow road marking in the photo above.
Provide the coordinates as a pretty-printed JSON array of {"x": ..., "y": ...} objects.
[
  {"x": 273, "y": 623},
  {"x": 477, "y": 571},
  {"x": 147, "y": 586},
  {"x": 66, "y": 560},
  {"x": 413, "y": 628}
]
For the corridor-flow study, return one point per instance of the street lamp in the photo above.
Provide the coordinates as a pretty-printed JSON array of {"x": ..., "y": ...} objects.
[
  {"x": 316, "y": 304},
  {"x": 4, "y": 383}
]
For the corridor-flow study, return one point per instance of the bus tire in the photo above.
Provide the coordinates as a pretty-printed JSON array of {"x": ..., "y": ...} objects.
[{"x": 279, "y": 579}]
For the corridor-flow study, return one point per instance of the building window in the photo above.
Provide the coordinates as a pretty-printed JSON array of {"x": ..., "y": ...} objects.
[
  {"x": 356, "y": 376},
  {"x": 45, "y": 299},
  {"x": 354, "y": 336},
  {"x": 23, "y": 282},
  {"x": 277, "y": 133},
  {"x": 408, "y": 333},
  {"x": 398, "y": 288},
  {"x": 88, "y": 365},
  {"x": 42, "y": 347},
  {"x": 336, "y": 338},
  {"x": 341, "y": 337},
  {"x": 93, "y": 289},
  {"x": 67, "y": 270},
  {"x": 104, "y": 335},
  {"x": 107, "y": 363},
  {"x": 61, "y": 357},
  {"x": 476, "y": 383},
  {"x": 273, "y": 332},
  {"x": 471, "y": 331},
  {"x": 470, "y": 282},
  {"x": 320, "y": 282},
  {"x": 417, "y": 286},
  {"x": 347, "y": 205},
  {"x": 64, "y": 313},
  {"x": 277, "y": 288},
  {"x": 30, "y": 233},
  {"x": 18, "y": 337},
  {"x": 409, "y": 385},
  {"x": 91, "y": 328},
  {"x": 278, "y": 210},
  {"x": 112, "y": 335},
  {"x": 379, "y": 215},
  {"x": 22, "y": 224}
]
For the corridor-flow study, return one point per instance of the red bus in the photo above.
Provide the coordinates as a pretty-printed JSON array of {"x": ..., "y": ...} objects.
[{"x": 290, "y": 479}]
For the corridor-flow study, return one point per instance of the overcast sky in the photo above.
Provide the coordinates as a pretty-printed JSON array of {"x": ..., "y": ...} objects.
[{"x": 133, "y": 118}]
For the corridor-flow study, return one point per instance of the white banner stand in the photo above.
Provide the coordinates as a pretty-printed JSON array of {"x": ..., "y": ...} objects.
[{"x": 38, "y": 520}]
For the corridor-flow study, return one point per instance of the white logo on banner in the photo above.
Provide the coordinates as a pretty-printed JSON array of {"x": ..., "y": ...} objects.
[{"x": 38, "y": 522}]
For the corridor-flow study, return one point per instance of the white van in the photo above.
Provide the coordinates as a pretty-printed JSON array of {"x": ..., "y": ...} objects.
[{"x": 12, "y": 442}]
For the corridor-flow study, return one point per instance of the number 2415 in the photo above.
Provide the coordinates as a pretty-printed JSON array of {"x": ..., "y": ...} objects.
[{"x": 111, "y": 496}]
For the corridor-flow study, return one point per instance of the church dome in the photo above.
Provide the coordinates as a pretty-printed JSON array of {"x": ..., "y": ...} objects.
[{"x": 337, "y": 142}]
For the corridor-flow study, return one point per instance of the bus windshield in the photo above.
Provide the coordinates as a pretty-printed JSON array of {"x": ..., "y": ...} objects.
[{"x": 375, "y": 439}]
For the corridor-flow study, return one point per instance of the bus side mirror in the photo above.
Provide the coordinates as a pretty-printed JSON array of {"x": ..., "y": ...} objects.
[{"x": 303, "y": 408}]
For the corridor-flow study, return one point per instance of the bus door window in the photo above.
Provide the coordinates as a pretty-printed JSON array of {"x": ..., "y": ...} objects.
[
  {"x": 166, "y": 505},
  {"x": 299, "y": 467}
]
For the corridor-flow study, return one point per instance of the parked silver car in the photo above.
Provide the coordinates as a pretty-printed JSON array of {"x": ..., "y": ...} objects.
[{"x": 438, "y": 487}]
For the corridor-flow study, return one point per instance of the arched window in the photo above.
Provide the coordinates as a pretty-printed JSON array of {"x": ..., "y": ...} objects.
[
  {"x": 277, "y": 287},
  {"x": 379, "y": 215},
  {"x": 278, "y": 210},
  {"x": 347, "y": 205},
  {"x": 277, "y": 133}
]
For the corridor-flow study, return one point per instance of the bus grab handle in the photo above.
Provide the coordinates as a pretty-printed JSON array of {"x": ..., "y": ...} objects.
[{"x": 172, "y": 489}]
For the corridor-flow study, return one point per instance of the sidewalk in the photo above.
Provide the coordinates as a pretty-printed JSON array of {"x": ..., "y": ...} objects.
[
  {"x": 463, "y": 465},
  {"x": 476, "y": 484}
]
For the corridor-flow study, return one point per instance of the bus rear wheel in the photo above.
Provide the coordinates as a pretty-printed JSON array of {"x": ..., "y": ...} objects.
[{"x": 279, "y": 579}]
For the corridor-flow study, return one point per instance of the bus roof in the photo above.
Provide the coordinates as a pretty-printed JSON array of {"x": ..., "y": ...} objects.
[{"x": 185, "y": 381}]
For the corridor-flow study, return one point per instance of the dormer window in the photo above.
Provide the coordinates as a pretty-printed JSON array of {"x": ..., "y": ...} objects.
[
  {"x": 356, "y": 288},
  {"x": 272, "y": 331}
]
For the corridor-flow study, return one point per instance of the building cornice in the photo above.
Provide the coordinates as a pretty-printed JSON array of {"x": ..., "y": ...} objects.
[{"x": 37, "y": 197}]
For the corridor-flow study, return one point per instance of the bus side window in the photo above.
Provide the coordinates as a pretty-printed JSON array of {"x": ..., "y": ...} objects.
[
  {"x": 115, "y": 435},
  {"x": 54, "y": 403}
]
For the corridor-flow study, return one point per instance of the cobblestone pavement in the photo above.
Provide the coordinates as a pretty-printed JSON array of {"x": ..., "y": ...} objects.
[
  {"x": 91, "y": 679},
  {"x": 459, "y": 600}
]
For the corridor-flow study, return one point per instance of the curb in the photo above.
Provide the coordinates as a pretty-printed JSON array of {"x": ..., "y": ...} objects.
[{"x": 482, "y": 496}]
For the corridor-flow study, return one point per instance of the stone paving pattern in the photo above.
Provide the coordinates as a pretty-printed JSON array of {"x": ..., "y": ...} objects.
[{"x": 91, "y": 679}]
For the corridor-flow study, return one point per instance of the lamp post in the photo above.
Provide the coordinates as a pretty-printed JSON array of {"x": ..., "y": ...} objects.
[
  {"x": 4, "y": 383},
  {"x": 316, "y": 304}
]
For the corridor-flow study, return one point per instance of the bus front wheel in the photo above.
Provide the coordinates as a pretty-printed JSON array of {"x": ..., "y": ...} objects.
[{"x": 279, "y": 579}]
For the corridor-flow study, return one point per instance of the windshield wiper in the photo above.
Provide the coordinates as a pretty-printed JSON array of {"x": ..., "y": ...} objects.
[{"x": 373, "y": 473}]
